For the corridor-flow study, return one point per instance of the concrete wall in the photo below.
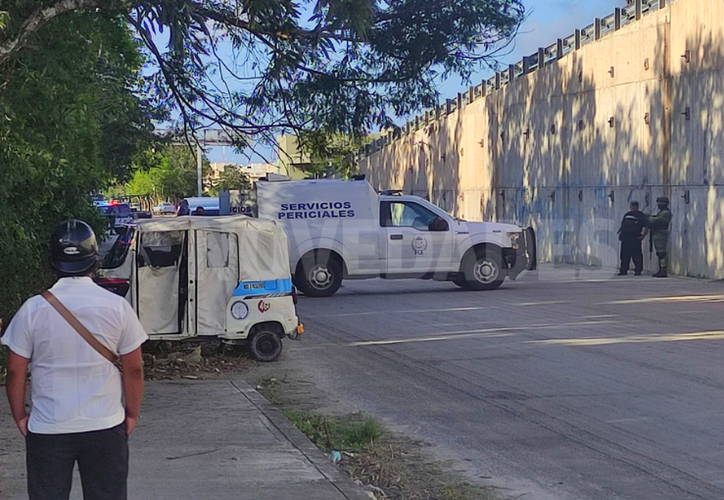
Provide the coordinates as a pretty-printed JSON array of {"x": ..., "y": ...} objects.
[{"x": 566, "y": 147}]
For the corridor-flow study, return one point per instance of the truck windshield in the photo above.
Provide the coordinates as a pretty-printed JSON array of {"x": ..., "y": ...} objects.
[{"x": 118, "y": 252}]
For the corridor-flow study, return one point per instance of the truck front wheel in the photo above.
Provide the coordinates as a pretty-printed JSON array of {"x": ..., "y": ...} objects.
[
  {"x": 320, "y": 275},
  {"x": 482, "y": 269}
]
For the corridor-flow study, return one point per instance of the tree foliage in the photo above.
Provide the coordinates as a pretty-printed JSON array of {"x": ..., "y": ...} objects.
[
  {"x": 232, "y": 178},
  {"x": 69, "y": 121},
  {"x": 330, "y": 151},
  {"x": 254, "y": 66}
]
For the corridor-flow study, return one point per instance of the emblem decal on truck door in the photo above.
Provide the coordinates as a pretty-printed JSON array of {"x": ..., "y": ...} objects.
[
  {"x": 419, "y": 245},
  {"x": 239, "y": 310},
  {"x": 263, "y": 306}
]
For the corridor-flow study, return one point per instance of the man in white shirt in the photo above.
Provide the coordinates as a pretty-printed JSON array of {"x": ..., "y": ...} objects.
[{"x": 77, "y": 394}]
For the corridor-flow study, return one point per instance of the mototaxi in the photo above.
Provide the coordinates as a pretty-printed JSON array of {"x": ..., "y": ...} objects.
[{"x": 193, "y": 277}]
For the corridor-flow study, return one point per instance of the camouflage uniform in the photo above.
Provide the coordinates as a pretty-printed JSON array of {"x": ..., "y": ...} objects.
[{"x": 659, "y": 225}]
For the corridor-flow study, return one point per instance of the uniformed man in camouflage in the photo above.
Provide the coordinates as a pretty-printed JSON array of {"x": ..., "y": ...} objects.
[{"x": 659, "y": 226}]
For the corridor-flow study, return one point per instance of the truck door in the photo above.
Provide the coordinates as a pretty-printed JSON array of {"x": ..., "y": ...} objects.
[
  {"x": 418, "y": 241},
  {"x": 217, "y": 276}
]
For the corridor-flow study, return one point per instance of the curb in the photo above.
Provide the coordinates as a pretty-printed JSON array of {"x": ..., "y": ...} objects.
[{"x": 336, "y": 477}]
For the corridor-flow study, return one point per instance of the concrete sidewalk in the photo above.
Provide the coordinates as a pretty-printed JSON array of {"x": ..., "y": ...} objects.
[{"x": 206, "y": 439}]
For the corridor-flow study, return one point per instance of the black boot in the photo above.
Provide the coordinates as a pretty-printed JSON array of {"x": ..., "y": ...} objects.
[{"x": 661, "y": 274}]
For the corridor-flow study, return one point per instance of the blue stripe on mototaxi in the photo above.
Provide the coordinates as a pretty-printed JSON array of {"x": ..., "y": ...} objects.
[{"x": 252, "y": 288}]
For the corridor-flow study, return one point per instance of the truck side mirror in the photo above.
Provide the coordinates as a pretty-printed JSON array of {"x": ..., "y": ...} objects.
[{"x": 439, "y": 225}]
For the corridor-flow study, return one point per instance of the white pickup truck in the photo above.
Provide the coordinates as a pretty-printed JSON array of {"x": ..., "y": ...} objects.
[{"x": 345, "y": 230}]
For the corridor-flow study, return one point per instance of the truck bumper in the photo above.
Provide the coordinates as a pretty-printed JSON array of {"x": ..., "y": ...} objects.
[{"x": 525, "y": 257}]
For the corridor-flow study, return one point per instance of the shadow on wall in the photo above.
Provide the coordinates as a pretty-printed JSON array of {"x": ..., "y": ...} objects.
[
  {"x": 590, "y": 142},
  {"x": 697, "y": 161},
  {"x": 566, "y": 148}
]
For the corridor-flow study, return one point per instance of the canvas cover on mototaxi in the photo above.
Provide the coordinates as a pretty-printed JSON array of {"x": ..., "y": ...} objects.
[{"x": 191, "y": 272}]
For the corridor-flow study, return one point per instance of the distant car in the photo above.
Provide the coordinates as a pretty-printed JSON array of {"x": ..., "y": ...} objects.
[
  {"x": 165, "y": 208},
  {"x": 209, "y": 204}
]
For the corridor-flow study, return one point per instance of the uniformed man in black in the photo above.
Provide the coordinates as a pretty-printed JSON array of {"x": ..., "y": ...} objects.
[{"x": 631, "y": 234}]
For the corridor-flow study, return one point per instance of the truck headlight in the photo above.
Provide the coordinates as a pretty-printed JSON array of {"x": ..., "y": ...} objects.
[{"x": 515, "y": 240}]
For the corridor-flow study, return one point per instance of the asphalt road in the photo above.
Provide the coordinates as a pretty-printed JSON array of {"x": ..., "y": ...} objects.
[{"x": 567, "y": 384}]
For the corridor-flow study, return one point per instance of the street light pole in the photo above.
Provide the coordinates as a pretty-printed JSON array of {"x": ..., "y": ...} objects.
[{"x": 199, "y": 180}]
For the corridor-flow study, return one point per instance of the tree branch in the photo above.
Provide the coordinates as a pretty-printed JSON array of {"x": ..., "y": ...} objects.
[
  {"x": 229, "y": 19},
  {"x": 36, "y": 20}
]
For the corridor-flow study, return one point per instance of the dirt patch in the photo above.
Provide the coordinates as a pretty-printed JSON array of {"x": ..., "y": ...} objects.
[
  {"x": 386, "y": 464},
  {"x": 197, "y": 360}
]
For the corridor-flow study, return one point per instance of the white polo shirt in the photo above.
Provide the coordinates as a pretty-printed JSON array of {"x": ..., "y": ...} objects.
[{"x": 73, "y": 388}]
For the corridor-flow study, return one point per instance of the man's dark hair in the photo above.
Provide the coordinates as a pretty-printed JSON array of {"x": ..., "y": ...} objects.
[{"x": 634, "y": 204}]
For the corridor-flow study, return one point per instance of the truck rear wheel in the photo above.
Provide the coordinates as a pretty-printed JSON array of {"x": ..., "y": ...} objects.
[
  {"x": 265, "y": 344},
  {"x": 482, "y": 269},
  {"x": 321, "y": 275}
]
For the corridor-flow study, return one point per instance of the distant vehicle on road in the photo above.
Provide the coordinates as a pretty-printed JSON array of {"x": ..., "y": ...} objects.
[
  {"x": 165, "y": 208},
  {"x": 208, "y": 203},
  {"x": 119, "y": 215},
  {"x": 140, "y": 205}
]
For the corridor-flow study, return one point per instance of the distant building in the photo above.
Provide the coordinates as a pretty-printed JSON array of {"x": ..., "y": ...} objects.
[
  {"x": 296, "y": 163},
  {"x": 291, "y": 160},
  {"x": 216, "y": 170},
  {"x": 256, "y": 171}
]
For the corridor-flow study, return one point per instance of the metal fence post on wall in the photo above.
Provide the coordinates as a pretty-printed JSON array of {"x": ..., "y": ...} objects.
[
  {"x": 578, "y": 39},
  {"x": 597, "y": 28},
  {"x": 526, "y": 65},
  {"x": 639, "y": 9}
]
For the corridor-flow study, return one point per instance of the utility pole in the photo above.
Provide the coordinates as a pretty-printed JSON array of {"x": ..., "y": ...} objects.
[{"x": 199, "y": 173}]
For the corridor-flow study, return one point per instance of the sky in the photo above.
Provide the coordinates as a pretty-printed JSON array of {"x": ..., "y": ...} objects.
[{"x": 547, "y": 20}]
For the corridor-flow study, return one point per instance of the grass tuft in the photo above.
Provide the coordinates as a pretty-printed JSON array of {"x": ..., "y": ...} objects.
[
  {"x": 360, "y": 435},
  {"x": 329, "y": 433}
]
